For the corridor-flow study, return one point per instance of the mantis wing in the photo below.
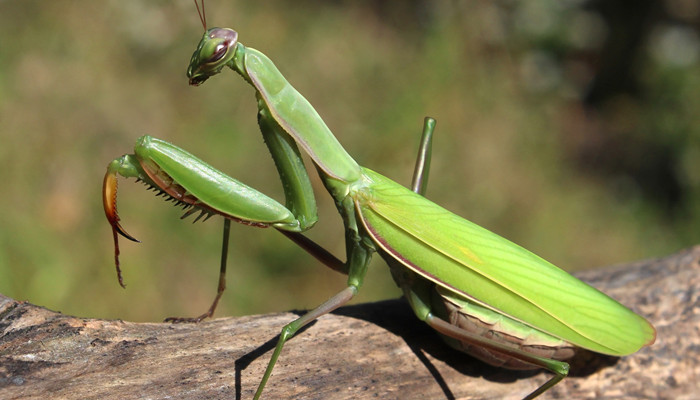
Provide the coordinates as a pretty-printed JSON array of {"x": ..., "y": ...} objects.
[{"x": 478, "y": 264}]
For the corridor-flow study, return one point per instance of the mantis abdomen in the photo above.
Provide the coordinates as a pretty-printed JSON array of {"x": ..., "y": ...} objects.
[
  {"x": 478, "y": 321},
  {"x": 486, "y": 323}
]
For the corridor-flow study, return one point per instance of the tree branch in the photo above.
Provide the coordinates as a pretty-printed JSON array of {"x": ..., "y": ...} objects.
[{"x": 376, "y": 350}]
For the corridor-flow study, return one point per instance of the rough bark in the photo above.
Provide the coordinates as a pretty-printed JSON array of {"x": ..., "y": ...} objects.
[{"x": 376, "y": 350}]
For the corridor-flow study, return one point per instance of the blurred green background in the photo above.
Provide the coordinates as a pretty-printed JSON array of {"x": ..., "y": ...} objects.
[{"x": 569, "y": 127}]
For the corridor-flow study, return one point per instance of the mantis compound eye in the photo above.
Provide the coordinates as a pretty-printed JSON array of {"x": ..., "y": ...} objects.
[
  {"x": 219, "y": 52},
  {"x": 225, "y": 38}
]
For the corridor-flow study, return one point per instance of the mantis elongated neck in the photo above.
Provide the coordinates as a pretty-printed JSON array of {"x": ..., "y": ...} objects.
[{"x": 295, "y": 115}]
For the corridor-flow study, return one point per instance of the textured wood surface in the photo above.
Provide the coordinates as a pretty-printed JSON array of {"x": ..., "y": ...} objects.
[{"x": 376, "y": 350}]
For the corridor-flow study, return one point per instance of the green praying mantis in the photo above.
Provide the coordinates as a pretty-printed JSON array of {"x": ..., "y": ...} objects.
[{"x": 485, "y": 295}]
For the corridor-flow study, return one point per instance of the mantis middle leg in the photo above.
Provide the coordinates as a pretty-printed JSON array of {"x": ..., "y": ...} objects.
[{"x": 359, "y": 255}]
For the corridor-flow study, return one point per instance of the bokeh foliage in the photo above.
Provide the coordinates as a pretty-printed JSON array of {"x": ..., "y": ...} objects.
[{"x": 515, "y": 148}]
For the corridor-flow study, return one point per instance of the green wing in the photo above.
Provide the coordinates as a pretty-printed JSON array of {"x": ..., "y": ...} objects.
[{"x": 486, "y": 268}]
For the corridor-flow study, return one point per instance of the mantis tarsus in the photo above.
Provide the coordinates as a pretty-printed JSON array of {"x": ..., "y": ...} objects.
[{"x": 485, "y": 295}]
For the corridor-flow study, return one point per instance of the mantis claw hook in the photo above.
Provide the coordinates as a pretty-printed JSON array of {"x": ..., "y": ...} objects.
[{"x": 109, "y": 201}]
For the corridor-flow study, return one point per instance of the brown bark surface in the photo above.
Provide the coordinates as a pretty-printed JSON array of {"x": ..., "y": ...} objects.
[{"x": 376, "y": 350}]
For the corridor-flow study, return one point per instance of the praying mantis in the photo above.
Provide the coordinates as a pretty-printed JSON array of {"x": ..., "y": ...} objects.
[{"x": 483, "y": 294}]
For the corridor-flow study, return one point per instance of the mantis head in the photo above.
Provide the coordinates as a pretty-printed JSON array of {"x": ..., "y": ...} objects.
[{"x": 216, "y": 49}]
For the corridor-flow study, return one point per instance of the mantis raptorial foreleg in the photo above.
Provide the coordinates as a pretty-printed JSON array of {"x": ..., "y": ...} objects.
[
  {"x": 252, "y": 207},
  {"x": 297, "y": 190},
  {"x": 161, "y": 166}
]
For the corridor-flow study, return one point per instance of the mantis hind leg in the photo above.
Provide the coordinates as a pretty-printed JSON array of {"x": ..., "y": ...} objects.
[
  {"x": 358, "y": 259},
  {"x": 419, "y": 293},
  {"x": 559, "y": 368},
  {"x": 290, "y": 329},
  {"x": 419, "y": 184}
]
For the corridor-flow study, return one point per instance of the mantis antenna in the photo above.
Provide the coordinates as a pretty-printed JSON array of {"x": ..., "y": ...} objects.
[{"x": 202, "y": 14}]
